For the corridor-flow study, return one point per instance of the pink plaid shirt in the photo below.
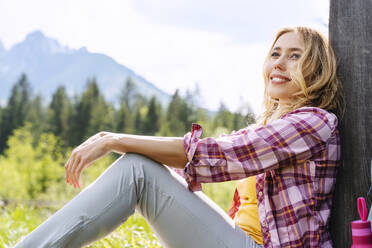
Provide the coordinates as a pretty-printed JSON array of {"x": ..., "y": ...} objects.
[{"x": 295, "y": 159}]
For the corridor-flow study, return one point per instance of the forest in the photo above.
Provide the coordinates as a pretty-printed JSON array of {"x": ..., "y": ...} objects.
[{"x": 37, "y": 137}]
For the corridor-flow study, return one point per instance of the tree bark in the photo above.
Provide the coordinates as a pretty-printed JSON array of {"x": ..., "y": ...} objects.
[{"x": 350, "y": 34}]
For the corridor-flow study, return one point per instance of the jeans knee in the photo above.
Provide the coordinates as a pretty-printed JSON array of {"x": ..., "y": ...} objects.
[{"x": 138, "y": 163}]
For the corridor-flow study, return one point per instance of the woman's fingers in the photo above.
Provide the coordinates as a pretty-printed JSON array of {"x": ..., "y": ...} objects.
[
  {"x": 80, "y": 172},
  {"x": 67, "y": 168},
  {"x": 71, "y": 163},
  {"x": 91, "y": 150},
  {"x": 77, "y": 171},
  {"x": 73, "y": 170}
]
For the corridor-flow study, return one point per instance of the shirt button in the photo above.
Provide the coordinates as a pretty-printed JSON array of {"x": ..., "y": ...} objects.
[{"x": 260, "y": 193}]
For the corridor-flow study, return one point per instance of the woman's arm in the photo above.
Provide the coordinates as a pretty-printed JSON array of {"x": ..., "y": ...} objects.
[
  {"x": 166, "y": 150},
  {"x": 290, "y": 140}
]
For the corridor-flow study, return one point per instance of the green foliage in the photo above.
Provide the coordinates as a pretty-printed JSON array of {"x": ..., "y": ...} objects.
[
  {"x": 16, "y": 111},
  {"x": 134, "y": 233},
  {"x": 32, "y": 170},
  {"x": 34, "y": 175},
  {"x": 128, "y": 93},
  {"x": 26, "y": 171},
  {"x": 138, "y": 121},
  {"x": 91, "y": 114},
  {"x": 179, "y": 116},
  {"x": 37, "y": 118},
  {"x": 15, "y": 222},
  {"x": 83, "y": 112},
  {"x": 35, "y": 143},
  {"x": 151, "y": 123},
  {"x": 59, "y": 114},
  {"x": 73, "y": 120},
  {"x": 221, "y": 193},
  {"x": 124, "y": 119},
  {"x": 225, "y": 121},
  {"x": 1, "y": 114},
  {"x": 223, "y": 118}
]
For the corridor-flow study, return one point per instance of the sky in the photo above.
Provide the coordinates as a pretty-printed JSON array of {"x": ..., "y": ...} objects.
[{"x": 218, "y": 46}]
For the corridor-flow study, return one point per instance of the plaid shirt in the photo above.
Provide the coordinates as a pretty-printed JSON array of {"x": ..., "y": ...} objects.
[{"x": 295, "y": 159}]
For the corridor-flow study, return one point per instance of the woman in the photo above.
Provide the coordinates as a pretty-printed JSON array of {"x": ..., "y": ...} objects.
[{"x": 294, "y": 153}]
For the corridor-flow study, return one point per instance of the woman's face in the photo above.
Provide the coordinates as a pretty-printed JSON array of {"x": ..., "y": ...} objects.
[{"x": 281, "y": 63}]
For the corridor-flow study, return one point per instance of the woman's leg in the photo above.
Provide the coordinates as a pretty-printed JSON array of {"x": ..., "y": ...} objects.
[{"x": 180, "y": 218}]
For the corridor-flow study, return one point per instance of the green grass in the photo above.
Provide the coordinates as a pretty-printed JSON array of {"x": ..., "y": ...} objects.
[
  {"x": 32, "y": 175},
  {"x": 17, "y": 221}
]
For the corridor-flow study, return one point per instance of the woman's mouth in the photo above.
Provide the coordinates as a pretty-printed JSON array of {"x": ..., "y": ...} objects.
[{"x": 279, "y": 79}]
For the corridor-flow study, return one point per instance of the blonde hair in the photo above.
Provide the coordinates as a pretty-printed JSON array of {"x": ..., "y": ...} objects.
[{"x": 315, "y": 76}]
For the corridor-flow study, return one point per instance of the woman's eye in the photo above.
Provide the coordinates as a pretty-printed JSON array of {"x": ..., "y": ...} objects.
[
  {"x": 295, "y": 56},
  {"x": 275, "y": 54}
]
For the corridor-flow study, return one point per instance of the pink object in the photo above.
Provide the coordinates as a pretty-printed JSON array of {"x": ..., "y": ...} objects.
[{"x": 361, "y": 229}]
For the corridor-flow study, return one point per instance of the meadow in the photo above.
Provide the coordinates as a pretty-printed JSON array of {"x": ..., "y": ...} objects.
[
  {"x": 18, "y": 220},
  {"x": 33, "y": 188}
]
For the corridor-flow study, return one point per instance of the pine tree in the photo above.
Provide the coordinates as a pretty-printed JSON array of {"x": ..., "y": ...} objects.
[
  {"x": 128, "y": 93},
  {"x": 1, "y": 114},
  {"x": 176, "y": 126},
  {"x": 128, "y": 102},
  {"x": 224, "y": 118},
  {"x": 138, "y": 122},
  {"x": 151, "y": 124},
  {"x": 180, "y": 115},
  {"x": 240, "y": 121},
  {"x": 102, "y": 117},
  {"x": 59, "y": 112},
  {"x": 124, "y": 119},
  {"x": 14, "y": 114},
  {"x": 91, "y": 114},
  {"x": 83, "y": 112},
  {"x": 37, "y": 117}
]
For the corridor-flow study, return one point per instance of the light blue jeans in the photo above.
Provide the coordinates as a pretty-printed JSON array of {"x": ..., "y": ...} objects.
[{"x": 178, "y": 217}]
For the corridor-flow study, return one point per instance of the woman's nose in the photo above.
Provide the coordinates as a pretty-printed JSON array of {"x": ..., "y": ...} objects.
[{"x": 280, "y": 63}]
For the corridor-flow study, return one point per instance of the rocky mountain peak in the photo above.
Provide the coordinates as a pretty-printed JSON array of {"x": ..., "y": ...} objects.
[
  {"x": 48, "y": 65},
  {"x": 37, "y": 43},
  {"x": 35, "y": 36}
]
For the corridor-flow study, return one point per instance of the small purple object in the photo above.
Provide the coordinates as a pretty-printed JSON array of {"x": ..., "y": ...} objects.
[{"x": 361, "y": 229}]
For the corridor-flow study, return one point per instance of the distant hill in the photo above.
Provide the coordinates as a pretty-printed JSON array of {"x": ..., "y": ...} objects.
[{"x": 48, "y": 65}]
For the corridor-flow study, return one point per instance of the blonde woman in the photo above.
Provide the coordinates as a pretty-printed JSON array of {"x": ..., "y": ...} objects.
[{"x": 293, "y": 152}]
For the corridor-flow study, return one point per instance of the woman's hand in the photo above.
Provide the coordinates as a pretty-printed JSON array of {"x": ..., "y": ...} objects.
[
  {"x": 84, "y": 155},
  {"x": 165, "y": 150}
]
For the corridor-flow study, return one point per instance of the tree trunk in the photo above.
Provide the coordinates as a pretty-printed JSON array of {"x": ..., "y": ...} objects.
[{"x": 350, "y": 33}]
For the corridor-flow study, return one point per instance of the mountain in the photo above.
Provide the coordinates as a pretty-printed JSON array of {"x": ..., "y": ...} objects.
[{"x": 48, "y": 65}]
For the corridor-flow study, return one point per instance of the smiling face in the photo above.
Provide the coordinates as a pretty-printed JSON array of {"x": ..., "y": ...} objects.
[{"x": 281, "y": 64}]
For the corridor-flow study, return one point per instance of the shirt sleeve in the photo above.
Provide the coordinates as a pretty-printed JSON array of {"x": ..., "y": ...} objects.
[{"x": 292, "y": 139}]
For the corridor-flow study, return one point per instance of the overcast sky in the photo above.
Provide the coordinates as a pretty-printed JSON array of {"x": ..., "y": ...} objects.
[{"x": 218, "y": 45}]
